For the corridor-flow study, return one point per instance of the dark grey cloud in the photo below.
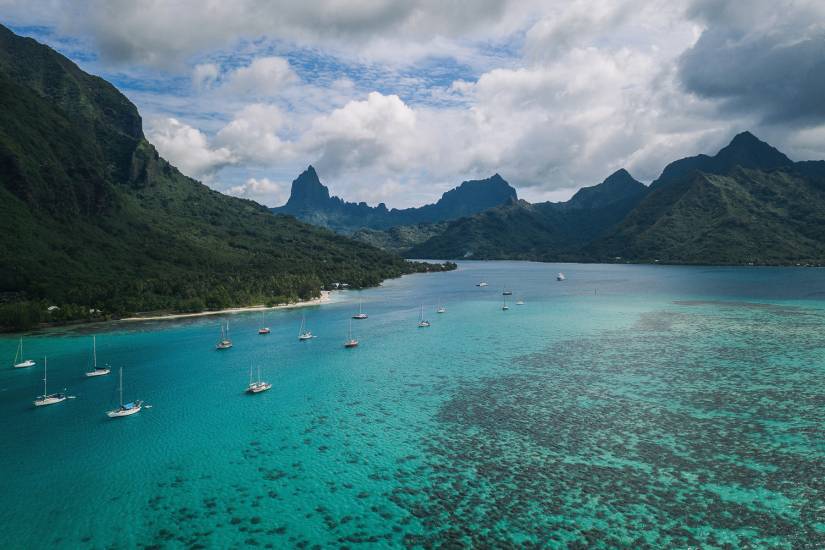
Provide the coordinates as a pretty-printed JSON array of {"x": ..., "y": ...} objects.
[{"x": 766, "y": 59}]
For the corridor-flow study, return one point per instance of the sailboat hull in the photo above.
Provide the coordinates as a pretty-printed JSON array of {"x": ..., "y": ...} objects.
[
  {"x": 118, "y": 413},
  {"x": 49, "y": 400},
  {"x": 25, "y": 364},
  {"x": 98, "y": 372}
]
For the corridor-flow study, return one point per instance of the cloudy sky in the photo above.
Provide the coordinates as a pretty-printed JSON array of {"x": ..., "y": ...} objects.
[{"x": 397, "y": 102}]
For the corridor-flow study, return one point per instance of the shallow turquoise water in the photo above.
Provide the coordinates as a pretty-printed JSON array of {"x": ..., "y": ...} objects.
[{"x": 628, "y": 406}]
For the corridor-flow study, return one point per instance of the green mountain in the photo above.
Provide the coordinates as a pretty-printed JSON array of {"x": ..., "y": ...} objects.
[
  {"x": 310, "y": 201},
  {"x": 93, "y": 218},
  {"x": 749, "y": 203},
  {"x": 544, "y": 231}
]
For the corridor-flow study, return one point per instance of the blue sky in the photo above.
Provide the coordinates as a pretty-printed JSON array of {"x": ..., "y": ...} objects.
[{"x": 398, "y": 102}]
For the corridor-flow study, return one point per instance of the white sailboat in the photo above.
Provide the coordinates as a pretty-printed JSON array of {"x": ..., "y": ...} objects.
[
  {"x": 421, "y": 321},
  {"x": 125, "y": 409},
  {"x": 360, "y": 314},
  {"x": 46, "y": 398},
  {"x": 257, "y": 386},
  {"x": 23, "y": 363},
  {"x": 97, "y": 371},
  {"x": 264, "y": 329},
  {"x": 350, "y": 341},
  {"x": 482, "y": 284},
  {"x": 520, "y": 302},
  {"x": 224, "y": 342},
  {"x": 504, "y": 306},
  {"x": 560, "y": 276},
  {"x": 440, "y": 308},
  {"x": 303, "y": 332}
]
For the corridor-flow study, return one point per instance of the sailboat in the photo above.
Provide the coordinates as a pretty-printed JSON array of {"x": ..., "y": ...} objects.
[
  {"x": 46, "y": 398},
  {"x": 125, "y": 409},
  {"x": 303, "y": 332},
  {"x": 482, "y": 284},
  {"x": 504, "y": 306},
  {"x": 421, "y": 321},
  {"x": 264, "y": 329},
  {"x": 97, "y": 371},
  {"x": 520, "y": 302},
  {"x": 441, "y": 308},
  {"x": 259, "y": 386},
  {"x": 224, "y": 342},
  {"x": 24, "y": 363},
  {"x": 350, "y": 342},
  {"x": 506, "y": 292},
  {"x": 560, "y": 276},
  {"x": 360, "y": 314}
]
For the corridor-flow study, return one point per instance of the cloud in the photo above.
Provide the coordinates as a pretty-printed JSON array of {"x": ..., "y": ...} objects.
[
  {"x": 204, "y": 75},
  {"x": 188, "y": 148},
  {"x": 252, "y": 135},
  {"x": 263, "y": 191},
  {"x": 264, "y": 77},
  {"x": 760, "y": 57}
]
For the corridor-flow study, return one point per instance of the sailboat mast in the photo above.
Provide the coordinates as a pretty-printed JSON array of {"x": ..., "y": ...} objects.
[
  {"x": 94, "y": 350},
  {"x": 121, "y": 387},
  {"x": 45, "y": 371}
]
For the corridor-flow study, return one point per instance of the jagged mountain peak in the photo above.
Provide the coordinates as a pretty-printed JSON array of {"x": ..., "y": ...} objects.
[{"x": 618, "y": 186}]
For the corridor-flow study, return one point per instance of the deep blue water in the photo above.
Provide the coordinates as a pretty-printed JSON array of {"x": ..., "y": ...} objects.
[{"x": 627, "y": 406}]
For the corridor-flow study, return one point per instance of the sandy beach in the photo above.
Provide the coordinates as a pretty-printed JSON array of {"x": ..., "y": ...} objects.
[{"x": 324, "y": 298}]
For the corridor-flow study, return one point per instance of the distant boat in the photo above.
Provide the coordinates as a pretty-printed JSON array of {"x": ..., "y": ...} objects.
[
  {"x": 350, "y": 342},
  {"x": 520, "y": 302},
  {"x": 441, "y": 308},
  {"x": 23, "y": 363},
  {"x": 264, "y": 329},
  {"x": 125, "y": 409},
  {"x": 506, "y": 292},
  {"x": 224, "y": 342},
  {"x": 303, "y": 332},
  {"x": 504, "y": 306},
  {"x": 47, "y": 398},
  {"x": 360, "y": 314},
  {"x": 421, "y": 321},
  {"x": 259, "y": 385},
  {"x": 96, "y": 371},
  {"x": 560, "y": 276},
  {"x": 482, "y": 283}
]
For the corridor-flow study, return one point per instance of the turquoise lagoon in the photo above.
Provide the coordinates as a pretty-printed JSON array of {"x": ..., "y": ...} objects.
[{"x": 629, "y": 406}]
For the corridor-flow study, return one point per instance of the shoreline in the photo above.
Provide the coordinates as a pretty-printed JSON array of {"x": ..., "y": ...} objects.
[{"x": 323, "y": 299}]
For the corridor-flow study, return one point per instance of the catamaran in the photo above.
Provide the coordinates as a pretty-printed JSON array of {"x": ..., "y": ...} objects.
[
  {"x": 360, "y": 314},
  {"x": 303, "y": 332},
  {"x": 441, "y": 308},
  {"x": 259, "y": 385},
  {"x": 224, "y": 342},
  {"x": 421, "y": 321},
  {"x": 350, "y": 341},
  {"x": 24, "y": 363},
  {"x": 506, "y": 292},
  {"x": 47, "y": 398},
  {"x": 264, "y": 329},
  {"x": 504, "y": 306},
  {"x": 560, "y": 276},
  {"x": 125, "y": 409},
  {"x": 96, "y": 371}
]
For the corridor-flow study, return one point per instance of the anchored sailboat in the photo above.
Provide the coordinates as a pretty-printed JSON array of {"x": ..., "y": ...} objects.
[
  {"x": 23, "y": 363},
  {"x": 96, "y": 371},
  {"x": 421, "y": 321},
  {"x": 257, "y": 386},
  {"x": 504, "y": 306},
  {"x": 303, "y": 332},
  {"x": 441, "y": 308},
  {"x": 560, "y": 276},
  {"x": 350, "y": 341},
  {"x": 360, "y": 314},
  {"x": 224, "y": 342},
  {"x": 264, "y": 329},
  {"x": 125, "y": 409},
  {"x": 520, "y": 302},
  {"x": 46, "y": 398}
]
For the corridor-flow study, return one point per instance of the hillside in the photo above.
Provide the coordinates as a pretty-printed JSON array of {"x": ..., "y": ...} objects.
[
  {"x": 93, "y": 218},
  {"x": 310, "y": 201},
  {"x": 543, "y": 231}
]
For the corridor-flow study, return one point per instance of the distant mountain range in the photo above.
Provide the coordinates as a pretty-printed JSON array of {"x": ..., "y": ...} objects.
[
  {"x": 93, "y": 219},
  {"x": 749, "y": 203},
  {"x": 310, "y": 201}
]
